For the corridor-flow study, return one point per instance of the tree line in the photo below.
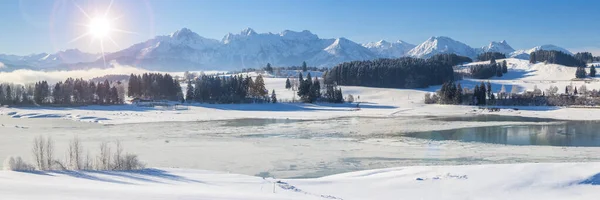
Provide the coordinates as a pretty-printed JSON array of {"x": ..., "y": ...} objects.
[
  {"x": 154, "y": 86},
  {"x": 482, "y": 94},
  {"x": 394, "y": 73},
  {"x": 229, "y": 89},
  {"x": 451, "y": 59},
  {"x": 555, "y": 57},
  {"x": 490, "y": 55},
  {"x": 486, "y": 71},
  {"x": 69, "y": 92},
  {"x": 454, "y": 93}
]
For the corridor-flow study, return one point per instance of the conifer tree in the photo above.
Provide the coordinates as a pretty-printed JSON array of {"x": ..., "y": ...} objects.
[
  {"x": 273, "y": 97},
  {"x": 458, "y": 94},
  {"x": 288, "y": 84},
  {"x": 315, "y": 90},
  {"x": 304, "y": 67},
  {"x": 189, "y": 94},
  {"x": 593, "y": 71},
  {"x": 268, "y": 68}
]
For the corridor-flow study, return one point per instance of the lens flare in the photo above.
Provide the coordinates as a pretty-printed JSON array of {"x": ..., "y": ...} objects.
[{"x": 100, "y": 28}]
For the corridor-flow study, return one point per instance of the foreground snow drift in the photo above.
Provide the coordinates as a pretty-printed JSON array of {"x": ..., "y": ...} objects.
[{"x": 515, "y": 181}]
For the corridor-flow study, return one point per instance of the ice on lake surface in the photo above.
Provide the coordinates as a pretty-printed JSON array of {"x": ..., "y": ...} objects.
[{"x": 286, "y": 148}]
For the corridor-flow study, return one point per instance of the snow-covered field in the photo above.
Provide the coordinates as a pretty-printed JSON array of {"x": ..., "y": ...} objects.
[
  {"x": 517, "y": 181},
  {"x": 307, "y": 140}
]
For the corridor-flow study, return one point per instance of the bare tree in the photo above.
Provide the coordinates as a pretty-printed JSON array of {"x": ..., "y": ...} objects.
[
  {"x": 514, "y": 90},
  {"x": 74, "y": 151},
  {"x": 552, "y": 90},
  {"x": 583, "y": 90},
  {"x": 103, "y": 159},
  {"x": 118, "y": 159},
  {"x": 39, "y": 144},
  {"x": 49, "y": 153}
]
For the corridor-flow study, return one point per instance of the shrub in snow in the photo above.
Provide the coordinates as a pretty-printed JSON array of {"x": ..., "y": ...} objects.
[
  {"x": 350, "y": 98},
  {"x": 17, "y": 164}
]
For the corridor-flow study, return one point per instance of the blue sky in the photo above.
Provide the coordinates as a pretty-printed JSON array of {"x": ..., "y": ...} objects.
[{"x": 34, "y": 26}]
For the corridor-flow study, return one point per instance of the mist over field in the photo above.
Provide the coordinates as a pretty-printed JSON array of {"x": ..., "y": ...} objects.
[{"x": 25, "y": 76}]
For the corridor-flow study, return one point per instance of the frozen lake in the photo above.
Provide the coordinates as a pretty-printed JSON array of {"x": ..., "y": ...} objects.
[
  {"x": 557, "y": 133},
  {"x": 285, "y": 148}
]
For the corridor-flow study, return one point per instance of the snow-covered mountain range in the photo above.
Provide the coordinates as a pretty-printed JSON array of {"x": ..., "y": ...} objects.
[
  {"x": 45, "y": 60},
  {"x": 186, "y": 50}
]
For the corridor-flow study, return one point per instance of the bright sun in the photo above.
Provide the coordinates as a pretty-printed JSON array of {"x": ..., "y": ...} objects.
[{"x": 99, "y": 27}]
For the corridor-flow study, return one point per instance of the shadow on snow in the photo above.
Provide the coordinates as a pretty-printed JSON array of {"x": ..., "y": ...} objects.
[{"x": 143, "y": 175}]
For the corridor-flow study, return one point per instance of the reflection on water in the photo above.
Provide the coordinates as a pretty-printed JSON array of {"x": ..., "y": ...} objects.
[
  {"x": 256, "y": 122},
  {"x": 493, "y": 118},
  {"x": 571, "y": 133}
]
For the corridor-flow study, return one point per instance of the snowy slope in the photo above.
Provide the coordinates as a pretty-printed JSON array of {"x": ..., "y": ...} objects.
[
  {"x": 387, "y": 49},
  {"x": 515, "y": 181},
  {"x": 441, "y": 45}
]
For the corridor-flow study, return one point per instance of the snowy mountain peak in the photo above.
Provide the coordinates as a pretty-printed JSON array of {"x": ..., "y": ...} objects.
[
  {"x": 501, "y": 47},
  {"x": 186, "y": 37},
  {"x": 248, "y": 31},
  {"x": 184, "y": 32},
  {"x": 303, "y": 35},
  {"x": 441, "y": 45},
  {"x": 386, "y": 49}
]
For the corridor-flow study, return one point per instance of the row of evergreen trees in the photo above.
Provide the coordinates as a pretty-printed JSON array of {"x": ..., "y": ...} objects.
[
  {"x": 485, "y": 71},
  {"x": 490, "y": 55},
  {"x": 393, "y": 73},
  {"x": 586, "y": 57},
  {"x": 67, "y": 93},
  {"x": 451, "y": 59},
  {"x": 556, "y": 57},
  {"x": 310, "y": 90},
  {"x": 453, "y": 93},
  {"x": 228, "y": 89},
  {"x": 154, "y": 86}
]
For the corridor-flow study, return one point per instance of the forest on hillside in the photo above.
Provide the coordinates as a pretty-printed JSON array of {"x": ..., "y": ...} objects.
[{"x": 394, "y": 73}]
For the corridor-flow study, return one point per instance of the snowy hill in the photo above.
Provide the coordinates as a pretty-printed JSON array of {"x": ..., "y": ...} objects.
[
  {"x": 441, "y": 45},
  {"x": 524, "y": 54},
  {"x": 387, "y": 49},
  {"x": 501, "y": 47}
]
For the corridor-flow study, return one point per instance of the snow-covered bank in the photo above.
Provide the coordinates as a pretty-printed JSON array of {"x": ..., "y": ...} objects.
[{"x": 515, "y": 181}]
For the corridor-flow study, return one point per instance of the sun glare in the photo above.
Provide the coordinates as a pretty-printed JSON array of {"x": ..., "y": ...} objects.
[{"x": 99, "y": 27}]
